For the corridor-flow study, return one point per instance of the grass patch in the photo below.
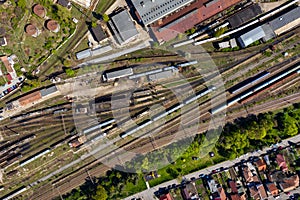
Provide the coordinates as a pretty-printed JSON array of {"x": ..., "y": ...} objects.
[{"x": 103, "y": 6}]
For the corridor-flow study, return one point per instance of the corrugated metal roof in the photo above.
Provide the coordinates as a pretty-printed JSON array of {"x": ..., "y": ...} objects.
[
  {"x": 251, "y": 36},
  {"x": 48, "y": 91},
  {"x": 124, "y": 26},
  {"x": 268, "y": 31},
  {"x": 119, "y": 74},
  {"x": 153, "y": 10},
  {"x": 285, "y": 19},
  {"x": 101, "y": 50},
  {"x": 83, "y": 54}
]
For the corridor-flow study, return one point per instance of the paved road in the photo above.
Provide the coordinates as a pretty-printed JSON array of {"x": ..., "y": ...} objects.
[{"x": 149, "y": 194}]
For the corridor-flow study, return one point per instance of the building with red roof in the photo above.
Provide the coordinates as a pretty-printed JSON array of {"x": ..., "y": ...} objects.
[
  {"x": 166, "y": 197},
  {"x": 186, "y": 18},
  {"x": 272, "y": 189},
  {"x": 261, "y": 165},
  {"x": 289, "y": 183},
  {"x": 281, "y": 162}
]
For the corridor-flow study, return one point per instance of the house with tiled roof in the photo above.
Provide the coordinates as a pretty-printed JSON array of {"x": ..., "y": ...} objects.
[
  {"x": 254, "y": 193},
  {"x": 272, "y": 189},
  {"x": 289, "y": 183},
  {"x": 260, "y": 164},
  {"x": 166, "y": 197},
  {"x": 238, "y": 197},
  {"x": 235, "y": 193},
  {"x": 281, "y": 162},
  {"x": 261, "y": 191},
  {"x": 220, "y": 194},
  {"x": 248, "y": 176}
]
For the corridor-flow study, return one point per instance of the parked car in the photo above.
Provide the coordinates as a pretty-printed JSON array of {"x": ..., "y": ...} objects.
[{"x": 201, "y": 175}]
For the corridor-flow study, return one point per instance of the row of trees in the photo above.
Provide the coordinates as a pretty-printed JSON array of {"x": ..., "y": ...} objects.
[
  {"x": 245, "y": 134},
  {"x": 248, "y": 134}
]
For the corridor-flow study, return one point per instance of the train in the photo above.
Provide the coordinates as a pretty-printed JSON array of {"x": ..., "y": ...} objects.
[
  {"x": 237, "y": 88},
  {"x": 34, "y": 157},
  {"x": 48, "y": 110},
  {"x": 194, "y": 62},
  {"x": 254, "y": 89},
  {"x": 98, "y": 126},
  {"x": 169, "y": 111},
  {"x": 14, "y": 193}
]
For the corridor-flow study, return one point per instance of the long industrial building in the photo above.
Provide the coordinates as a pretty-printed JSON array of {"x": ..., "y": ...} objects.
[
  {"x": 150, "y": 11},
  {"x": 111, "y": 76},
  {"x": 269, "y": 30},
  {"x": 286, "y": 21},
  {"x": 169, "y": 27}
]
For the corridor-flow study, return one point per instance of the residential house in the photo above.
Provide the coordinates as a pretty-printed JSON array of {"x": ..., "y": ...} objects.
[
  {"x": 166, "y": 197},
  {"x": 289, "y": 183},
  {"x": 221, "y": 195},
  {"x": 261, "y": 191},
  {"x": 248, "y": 176},
  {"x": 185, "y": 194},
  {"x": 64, "y": 3},
  {"x": 8, "y": 63},
  {"x": 254, "y": 193},
  {"x": 261, "y": 165},
  {"x": 236, "y": 194},
  {"x": 98, "y": 33},
  {"x": 272, "y": 189},
  {"x": 233, "y": 187},
  {"x": 281, "y": 162},
  {"x": 238, "y": 197}
]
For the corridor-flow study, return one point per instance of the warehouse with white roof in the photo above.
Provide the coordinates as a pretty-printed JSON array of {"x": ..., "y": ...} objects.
[{"x": 251, "y": 36}]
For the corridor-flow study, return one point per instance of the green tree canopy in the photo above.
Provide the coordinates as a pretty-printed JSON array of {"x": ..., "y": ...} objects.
[
  {"x": 105, "y": 17},
  {"x": 101, "y": 193}
]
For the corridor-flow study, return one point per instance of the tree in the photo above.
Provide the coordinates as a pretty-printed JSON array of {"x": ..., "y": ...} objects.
[
  {"x": 94, "y": 24},
  {"x": 70, "y": 72},
  {"x": 67, "y": 62},
  {"x": 101, "y": 193},
  {"x": 145, "y": 164},
  {"x": 22, "y": 4},
  {"x": 105, "y": 17}
]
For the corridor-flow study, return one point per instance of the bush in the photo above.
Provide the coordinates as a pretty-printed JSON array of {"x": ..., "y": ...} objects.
[
  {"x": 105, "y": 17},
  {"x": 70, "y": 72}
]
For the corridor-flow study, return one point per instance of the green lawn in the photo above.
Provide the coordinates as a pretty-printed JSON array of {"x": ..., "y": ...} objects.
[
  {"x": 103, "y": 5},
  {"x": 185, "y": 165}
]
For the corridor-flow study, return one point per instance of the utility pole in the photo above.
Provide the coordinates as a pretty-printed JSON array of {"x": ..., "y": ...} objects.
[
  {"x": 89, "y": 176},
  {"x": 63, "y": 121}
]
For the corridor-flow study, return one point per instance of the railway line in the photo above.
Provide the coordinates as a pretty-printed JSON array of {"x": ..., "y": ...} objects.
[{"x": 161, "y": 136}]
